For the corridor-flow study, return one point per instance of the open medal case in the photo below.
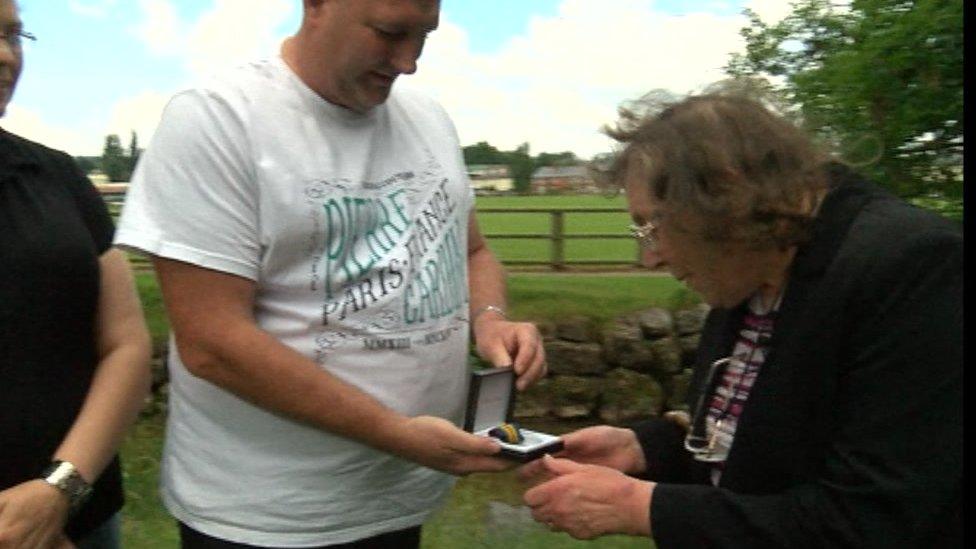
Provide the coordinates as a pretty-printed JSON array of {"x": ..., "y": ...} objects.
[{"x": 491, "y": 399}]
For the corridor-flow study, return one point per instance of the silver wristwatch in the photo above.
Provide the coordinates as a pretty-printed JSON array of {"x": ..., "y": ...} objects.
[{"x": 65, "y": 477}]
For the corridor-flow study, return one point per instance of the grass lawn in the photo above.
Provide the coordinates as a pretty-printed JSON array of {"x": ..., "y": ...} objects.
[
  {"x": 152, "y": 307},
  {"x": 145, "y": 523}
]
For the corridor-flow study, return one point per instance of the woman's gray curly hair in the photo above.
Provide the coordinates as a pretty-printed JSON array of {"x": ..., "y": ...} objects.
[{"x": 723, "y": 156}]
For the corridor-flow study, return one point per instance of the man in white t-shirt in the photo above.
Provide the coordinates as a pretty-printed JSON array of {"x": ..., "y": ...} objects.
[{"x": 314, "y": 236}]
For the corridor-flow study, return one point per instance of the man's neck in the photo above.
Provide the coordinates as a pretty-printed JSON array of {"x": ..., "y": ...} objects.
[{"x": 291, "y": 55}]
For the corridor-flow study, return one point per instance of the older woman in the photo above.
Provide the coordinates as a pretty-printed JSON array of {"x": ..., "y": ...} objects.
[
  {"x": 826, "y": 404},
  {"x": 74, "y": 351}
]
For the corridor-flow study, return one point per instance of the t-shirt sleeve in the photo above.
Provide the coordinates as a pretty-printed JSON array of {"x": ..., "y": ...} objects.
[
  {"x": 91, "y": 206},
  {"x": 193, "y": 196}
]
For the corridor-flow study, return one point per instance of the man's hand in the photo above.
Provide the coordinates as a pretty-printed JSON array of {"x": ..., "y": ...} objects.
[
  {"x": 439, "y": 444},
  {"x": 602, "y": 445},
  {"x": 502, "y": 342},
  {"x": 32, "y": 516},
  {"x": 587, "y": 501}
]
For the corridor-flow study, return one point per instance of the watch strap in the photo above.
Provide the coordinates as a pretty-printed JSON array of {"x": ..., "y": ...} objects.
[{"x": 64, "y": 476}]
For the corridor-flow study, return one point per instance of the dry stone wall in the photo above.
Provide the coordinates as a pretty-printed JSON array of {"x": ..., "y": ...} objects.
[{"x": 635, "y": 367}]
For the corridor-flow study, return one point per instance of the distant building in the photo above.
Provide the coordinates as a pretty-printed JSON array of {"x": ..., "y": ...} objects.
[
  {"x": 563, "y": 180},
  {"x": 111, "y": 192},
  {"x": 490, "y": 178},
  {"x": 97, "y": 177}
]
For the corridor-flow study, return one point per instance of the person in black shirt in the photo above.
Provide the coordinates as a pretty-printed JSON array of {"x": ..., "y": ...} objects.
[{"x": 74, "y": 350}]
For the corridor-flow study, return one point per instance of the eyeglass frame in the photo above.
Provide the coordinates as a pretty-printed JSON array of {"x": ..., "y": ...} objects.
[
  {"x": 763, "y": 338},
  {"x": 705, "y": 453},
  {"x": 15, "y": 39},
  {"x": 646, "y": 234}
]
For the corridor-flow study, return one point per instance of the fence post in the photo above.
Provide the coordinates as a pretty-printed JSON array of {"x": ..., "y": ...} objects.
[{"x": 558, "y": 256}]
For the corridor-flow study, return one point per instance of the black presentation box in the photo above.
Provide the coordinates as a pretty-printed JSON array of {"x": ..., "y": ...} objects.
[{"x": 491, "y": 398}]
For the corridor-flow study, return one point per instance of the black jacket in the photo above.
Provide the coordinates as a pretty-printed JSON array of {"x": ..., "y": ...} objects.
[{"x": 852, "y": 434}]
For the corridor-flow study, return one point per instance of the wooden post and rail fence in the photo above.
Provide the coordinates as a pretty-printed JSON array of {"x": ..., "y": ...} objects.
[{"x": 557, "y": 235}]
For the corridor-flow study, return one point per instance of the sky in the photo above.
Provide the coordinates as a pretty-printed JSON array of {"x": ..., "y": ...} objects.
[{"x": 547, "y": 72}]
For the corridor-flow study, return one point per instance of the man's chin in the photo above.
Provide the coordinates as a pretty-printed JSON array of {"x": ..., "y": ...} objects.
[{"x": 374, "y": 97}]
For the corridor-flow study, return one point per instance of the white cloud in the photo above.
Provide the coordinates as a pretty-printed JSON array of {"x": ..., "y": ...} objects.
[
  {"x": 235, "y": 31},
  {"x": 553, "y": 86},
  {"x": 92, "y": 8},
  {"x": 557, "y": 84},
  {"x": 139, "y": 113},
  {"x": 230, "y": 32},
  {"x": 33, "y": 126},
  {"x": 770, "y": 11},
  {"x": 160, "y": 29}
]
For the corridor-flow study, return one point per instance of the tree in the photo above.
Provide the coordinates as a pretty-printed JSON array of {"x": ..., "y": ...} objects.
[
  {"x": 521, "y": 165},
  {"x": 482, "y": 153},
  {"x": 87, "y": 163},
  {"x": 565, "y": 158},
  {"x": 134, "y": 152},
  {"x": 115, "y": 164},
  {"x": 882, "y": 81}
]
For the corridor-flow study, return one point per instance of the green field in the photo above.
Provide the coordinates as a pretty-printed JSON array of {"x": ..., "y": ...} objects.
[
  {"x": 496, "y": 225},
  {"x": 596, "y": 249}
]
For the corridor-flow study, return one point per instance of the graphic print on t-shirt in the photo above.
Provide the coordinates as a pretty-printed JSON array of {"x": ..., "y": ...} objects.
[{"x": 387, "y": 256}]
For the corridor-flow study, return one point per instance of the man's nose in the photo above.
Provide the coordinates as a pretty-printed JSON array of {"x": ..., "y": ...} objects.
[{"x": 406, "y": 54}]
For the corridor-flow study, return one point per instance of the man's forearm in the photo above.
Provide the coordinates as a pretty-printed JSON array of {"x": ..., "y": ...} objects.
[
  {"x": 218, "y": 339},
  {"x": 486, "y": 281},
  {"x": 252, "y": 364},
  {"x": 255, "y": 366}
]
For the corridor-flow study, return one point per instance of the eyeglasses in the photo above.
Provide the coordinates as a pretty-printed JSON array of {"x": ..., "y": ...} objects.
[
  {"x": 703, "y": 432},
  {"x": 16, "y": 38},
  {"x": 646, "y": 234}
]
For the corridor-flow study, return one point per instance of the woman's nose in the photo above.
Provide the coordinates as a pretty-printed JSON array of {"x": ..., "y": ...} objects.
[{"x": 652, "y": 259}]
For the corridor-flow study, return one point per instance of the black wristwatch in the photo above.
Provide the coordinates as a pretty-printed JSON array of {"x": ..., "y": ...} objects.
[{"x": 65, "y": 477}]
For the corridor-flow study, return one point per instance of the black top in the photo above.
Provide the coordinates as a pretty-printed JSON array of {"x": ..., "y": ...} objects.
[
  {"x": 53, "y": 228},
  {"x": 852, "y": 435}
]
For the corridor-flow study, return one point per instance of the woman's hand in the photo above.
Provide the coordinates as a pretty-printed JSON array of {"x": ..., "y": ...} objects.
[
  {"x": 603, "y": 445},
  {"x": 32, "y": 516},
  {"x": 587, "y": 501}
]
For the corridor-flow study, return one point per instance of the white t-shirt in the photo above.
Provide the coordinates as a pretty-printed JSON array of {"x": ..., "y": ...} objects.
[{"x": 354, "y": 229}]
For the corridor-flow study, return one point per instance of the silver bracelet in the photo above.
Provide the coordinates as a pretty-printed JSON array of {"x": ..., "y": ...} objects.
[{"x": 485, "y": 309}]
